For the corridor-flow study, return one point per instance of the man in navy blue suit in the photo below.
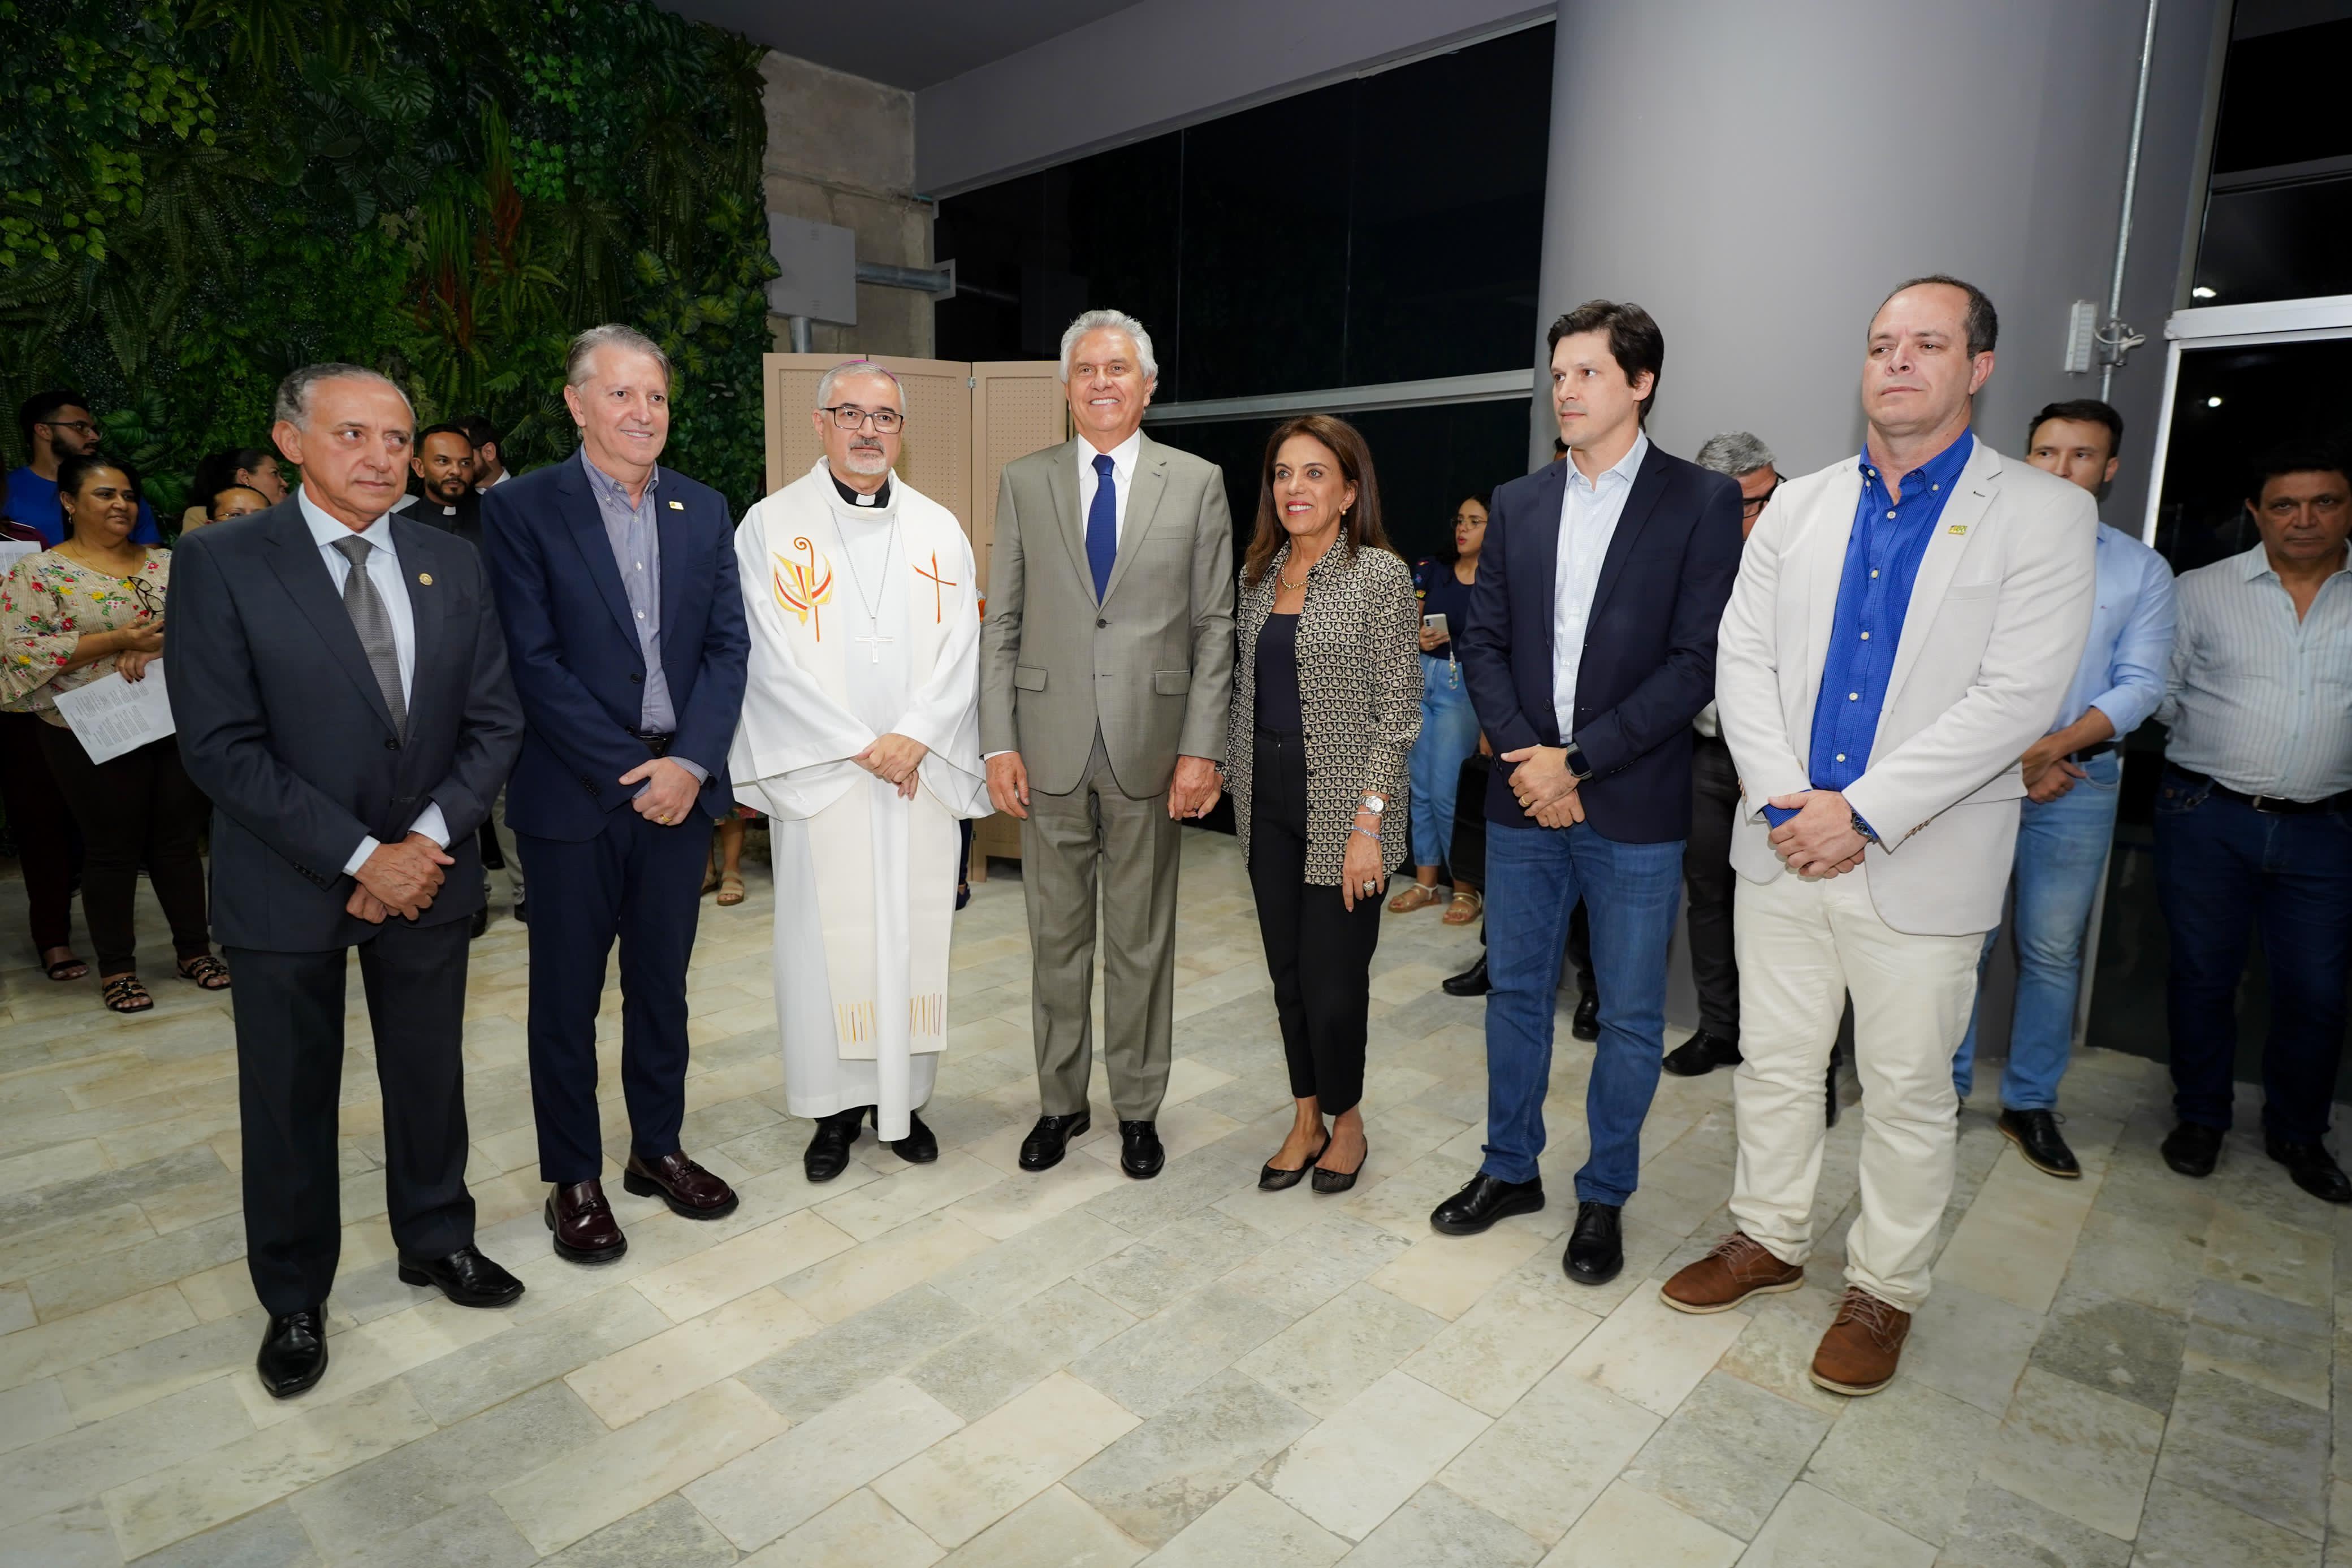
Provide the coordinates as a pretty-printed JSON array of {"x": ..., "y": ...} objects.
[
  {"x": 1590, "y": 649},
  {"x": 615, "y": 581}
]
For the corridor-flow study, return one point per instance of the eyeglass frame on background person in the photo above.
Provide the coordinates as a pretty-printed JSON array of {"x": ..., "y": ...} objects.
[
  {"x": 849, "y": 416},
  {"x": 1752, "y": 507},
  {"x": 96, "y": 428}
]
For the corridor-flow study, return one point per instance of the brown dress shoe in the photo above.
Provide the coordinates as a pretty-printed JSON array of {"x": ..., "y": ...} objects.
[
  {"x": 1738, "y": 1269},
  {"x": 688, "y": 1189},
  {"x": 1859, "y": 1354},
  {"x": 582, "y": 1224}
]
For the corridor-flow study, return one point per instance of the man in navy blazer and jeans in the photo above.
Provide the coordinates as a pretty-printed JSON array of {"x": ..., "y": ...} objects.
[
  {"x": 615, "y": 581},
  {"x": 1590, "y": 649}
]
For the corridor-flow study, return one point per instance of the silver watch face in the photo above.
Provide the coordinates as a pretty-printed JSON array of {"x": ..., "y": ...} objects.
[{"x": 1375, "y": 805}]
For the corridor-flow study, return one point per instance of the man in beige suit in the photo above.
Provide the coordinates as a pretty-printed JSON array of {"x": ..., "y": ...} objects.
[
  {"x": 1106, "y": 667},
  {"x": 1903, "y": 628}
]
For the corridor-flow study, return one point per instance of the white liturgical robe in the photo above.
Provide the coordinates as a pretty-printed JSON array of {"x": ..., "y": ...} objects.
[{"x": 842, "y": 653}]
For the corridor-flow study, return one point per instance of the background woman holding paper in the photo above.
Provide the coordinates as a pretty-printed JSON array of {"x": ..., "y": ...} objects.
[{"x": 90, "y": 610}]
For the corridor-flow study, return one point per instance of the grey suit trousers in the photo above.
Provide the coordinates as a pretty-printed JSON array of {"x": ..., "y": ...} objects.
[{"x": 1138, "y": 845}]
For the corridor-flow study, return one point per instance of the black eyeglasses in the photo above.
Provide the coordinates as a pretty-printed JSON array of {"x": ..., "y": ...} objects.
[
  {"x": 88, "y": 426},
  {"x": 150, "y": 601},
  {"x": 849, "y": 416},
  {"x": 1752, "y": 507}
]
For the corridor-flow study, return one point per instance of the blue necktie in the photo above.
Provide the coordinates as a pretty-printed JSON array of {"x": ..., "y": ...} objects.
[{"x": 1102, "y": 525}]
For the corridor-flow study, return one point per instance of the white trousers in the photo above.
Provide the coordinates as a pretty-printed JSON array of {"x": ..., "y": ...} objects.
[{"x": 1803, "y": 944}]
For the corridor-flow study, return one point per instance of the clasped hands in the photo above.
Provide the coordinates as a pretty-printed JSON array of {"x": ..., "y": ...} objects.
[
  {"x": 398, "y": 879},
  {"x": 895, "y": 759},
  {"x": 1820, "y": 840},
  {"x": 1544, "y": 786},
  {"x": 2048, "y": 774}
]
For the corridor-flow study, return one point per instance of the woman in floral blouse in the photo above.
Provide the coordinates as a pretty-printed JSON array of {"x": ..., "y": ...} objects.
[{"x": 92, "y": 607}]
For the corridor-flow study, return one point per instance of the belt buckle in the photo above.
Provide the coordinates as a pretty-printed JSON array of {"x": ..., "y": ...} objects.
[{"x": 2262, "y": 803}]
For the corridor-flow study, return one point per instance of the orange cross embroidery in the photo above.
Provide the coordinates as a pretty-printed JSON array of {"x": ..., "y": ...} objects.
[
  {"x": 938, "y": 586},
  {"x": 808, "y": 590}
]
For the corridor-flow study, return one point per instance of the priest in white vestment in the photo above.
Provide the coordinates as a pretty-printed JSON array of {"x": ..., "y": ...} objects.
[{"x": 860, "y": 740}]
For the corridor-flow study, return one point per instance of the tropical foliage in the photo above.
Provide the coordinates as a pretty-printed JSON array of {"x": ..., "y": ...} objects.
[{"x": 197, "y": 196}]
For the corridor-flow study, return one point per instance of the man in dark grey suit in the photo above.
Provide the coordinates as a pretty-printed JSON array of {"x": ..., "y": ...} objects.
[
  {"x": 1105, "y": 667},
  {"x": 339, "y": 683}
]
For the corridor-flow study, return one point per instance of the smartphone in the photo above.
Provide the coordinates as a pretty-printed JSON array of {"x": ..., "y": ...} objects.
[{"x": 1436, "y": 623}]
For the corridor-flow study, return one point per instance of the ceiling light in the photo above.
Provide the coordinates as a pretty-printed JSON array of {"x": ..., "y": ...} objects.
[
  {"x": 2200, "y": 292},
  {"x": 2212, "y": 403}
]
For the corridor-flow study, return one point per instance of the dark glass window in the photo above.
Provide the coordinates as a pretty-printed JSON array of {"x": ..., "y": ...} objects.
[{"x": 2281, "y": 190}]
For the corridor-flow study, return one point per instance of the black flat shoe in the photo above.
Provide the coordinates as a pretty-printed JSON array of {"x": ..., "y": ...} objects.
[
  {"x": 1470, "y": 982},
  {"x": 1482, "y": 1202},
  {"x": 1328, "y": 1181},
  {"x": 1596, "y": 1248},
  {"x": 293, "y": 1353},
  {"x": 1140, "y": 1155},
  {"x": 482, "y": 921},
  {"x": 1585, "y": 1022},
  {"x": 2035, "y": 1134},
  {"x": 2313, "y": 1168},
  {"x": 1701, "y": 1055},
  {"x": 827, "y": 1154},
  {"x": 2192, "y": 1149},
  {"x": 1043, "y": 1149},
  {"x": 1272, "y": 1177},
  {"x": 466, "y": 1277},
  {"x": 919, "y": 1148}
]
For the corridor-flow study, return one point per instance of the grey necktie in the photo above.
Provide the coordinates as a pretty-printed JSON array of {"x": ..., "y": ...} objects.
[{"x": 373, "y": 623}]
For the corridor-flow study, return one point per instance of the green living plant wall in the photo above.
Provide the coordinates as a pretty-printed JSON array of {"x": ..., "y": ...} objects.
[{"x": 197, "y": 196}]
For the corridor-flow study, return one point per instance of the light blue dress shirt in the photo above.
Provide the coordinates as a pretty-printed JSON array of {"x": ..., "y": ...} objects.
[
  {"x": 2129, "y": 651},
  {"x": 1589, "y": 511},
  {"x": 384, "y": 572},
  {"x": 631, "y": 528}
]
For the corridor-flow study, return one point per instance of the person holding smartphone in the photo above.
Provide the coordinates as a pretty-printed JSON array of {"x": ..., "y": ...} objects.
[{"x": 1449, "y": 727}]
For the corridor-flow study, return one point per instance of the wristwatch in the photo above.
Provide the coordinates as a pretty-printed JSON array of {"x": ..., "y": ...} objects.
[
  {"x": 1374, "y": 804},
  {"x": 1868, "y": 836},
  {"x": 1577, "y": 767}
]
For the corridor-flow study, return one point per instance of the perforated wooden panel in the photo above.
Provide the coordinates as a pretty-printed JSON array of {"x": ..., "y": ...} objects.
[
  {"x": 936, "y": 454},
  {"x": 1017, "y": 406}
]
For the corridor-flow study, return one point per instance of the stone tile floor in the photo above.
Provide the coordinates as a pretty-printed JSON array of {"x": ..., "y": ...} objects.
[{"x": 962, "y": 1363}]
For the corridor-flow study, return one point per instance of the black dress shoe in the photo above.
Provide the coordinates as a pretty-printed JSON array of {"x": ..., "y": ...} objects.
[
  {"x": 2192, "y": 1149},
  {"x": 1470, "y": 982},
  {"x": 919, "y": 1148},
  {"x": 2312, "y": 1167},
  {"x": 2035, "y": 1134},
  {"x": 1701, "y": 1055},
  {"x": 523, "y": 916},
  {"x": 1484, "y": 1201},
  {"x": 1586, "y": 1024},
  {"x": 1596, "y": 1248},
  {"x": 1043, "y": 1149},
  {"x": 293, "y": 1353},
  {"x": 466, "y": 1277},
  {"x": 827, "y": 1154},
  {"x": 481, "y": 920},
  {"x": 1140, "y": 1154}
]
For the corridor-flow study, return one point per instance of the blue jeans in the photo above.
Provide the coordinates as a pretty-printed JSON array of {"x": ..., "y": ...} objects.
[
  {"x": 1449, "y": 734},
  {"x": 2062, "y": 847},
  {"x": 2222, "y": 868},
  {"x": 1536, "y": 876}
]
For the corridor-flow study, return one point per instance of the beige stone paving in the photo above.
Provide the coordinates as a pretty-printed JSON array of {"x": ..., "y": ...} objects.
[{"x": 964, "y": 1363}]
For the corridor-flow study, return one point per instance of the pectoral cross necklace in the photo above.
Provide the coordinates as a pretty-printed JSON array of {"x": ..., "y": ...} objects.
[{"x": 873, "y": 640}]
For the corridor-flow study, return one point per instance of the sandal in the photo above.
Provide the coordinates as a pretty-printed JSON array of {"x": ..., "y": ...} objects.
[
  {"x": 1467, "y": 907},
  {"x": 1416, "y": 896},
  {"x": 208, "y": 972},
  {"x": 731, "y": 891},
  {"x": 124, "y": 994},
  {"x": 66, "y": 968}
]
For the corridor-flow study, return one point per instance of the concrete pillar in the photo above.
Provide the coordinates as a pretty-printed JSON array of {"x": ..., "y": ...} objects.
[{"x": 1758, "y": 177}]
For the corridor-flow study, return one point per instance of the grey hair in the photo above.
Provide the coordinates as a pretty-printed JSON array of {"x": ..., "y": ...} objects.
[
  {"x": 296, "y": 391},
  {"x": 1116, "y": 321},
  {"x": 611, "y": 335},
  {"x": 856, "y": 367},
  {"x": 1735, "y": 453}
]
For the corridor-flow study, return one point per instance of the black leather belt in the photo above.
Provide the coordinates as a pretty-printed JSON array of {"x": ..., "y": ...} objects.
[
  {"x": 2276, "y": 805},
  {"x": 656, "y": 744}
]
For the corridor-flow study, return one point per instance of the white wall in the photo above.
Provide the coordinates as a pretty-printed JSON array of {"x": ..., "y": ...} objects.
[
  {"x": 1162, "y": 64},
  {"x": 1758, "y": 176}
]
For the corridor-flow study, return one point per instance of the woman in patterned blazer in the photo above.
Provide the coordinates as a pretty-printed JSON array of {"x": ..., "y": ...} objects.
[{"x": 1326, "y": 705}]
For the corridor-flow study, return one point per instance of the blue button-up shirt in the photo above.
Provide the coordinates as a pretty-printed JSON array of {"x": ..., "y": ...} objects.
[
  {"x": 1882, "y": 561},
  {"x": 2127, "y": 655},
  {"x": 630, "y": 529}
]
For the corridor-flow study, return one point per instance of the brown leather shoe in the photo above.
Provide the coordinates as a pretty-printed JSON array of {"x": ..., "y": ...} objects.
[
  {"x": 1859, "y": 1354},
  {"x": 1738, "y": 1269},
  {"x": 688, "y": 1189},
  {"x": 585, "y": 1231}
]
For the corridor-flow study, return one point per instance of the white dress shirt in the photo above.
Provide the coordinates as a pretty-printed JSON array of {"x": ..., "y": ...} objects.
[
  {"x": 1589, "y": 511},
  {"x": 2258, "y": 700},
  {"x": 1122, "y": 470},
  {"x": 384, "y": 572}
]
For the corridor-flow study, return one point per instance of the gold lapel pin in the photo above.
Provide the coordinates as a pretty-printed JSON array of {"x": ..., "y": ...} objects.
[
  {"x": 1958, "y": 529},
  {"x": 678, "y": 505},
  {"x": 425, "y": 578}
]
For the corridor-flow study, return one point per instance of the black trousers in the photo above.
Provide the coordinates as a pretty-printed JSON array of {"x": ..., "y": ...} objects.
[
  {"x": 1319, "y": 952},
  {"x": 641, "y": 884},
  {"x": 1710, "y": 881},
  {"x": 42, "y": 825},
  {"x": 289, "y": 1068},
  {"x": 139, "y": 806}
]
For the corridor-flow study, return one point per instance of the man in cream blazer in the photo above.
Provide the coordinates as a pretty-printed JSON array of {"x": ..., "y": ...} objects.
[{"x": 1903, "y": 627}]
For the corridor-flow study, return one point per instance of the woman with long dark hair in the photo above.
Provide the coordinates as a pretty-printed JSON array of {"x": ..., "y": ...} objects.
[{"x": 1326, "y": 706}]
